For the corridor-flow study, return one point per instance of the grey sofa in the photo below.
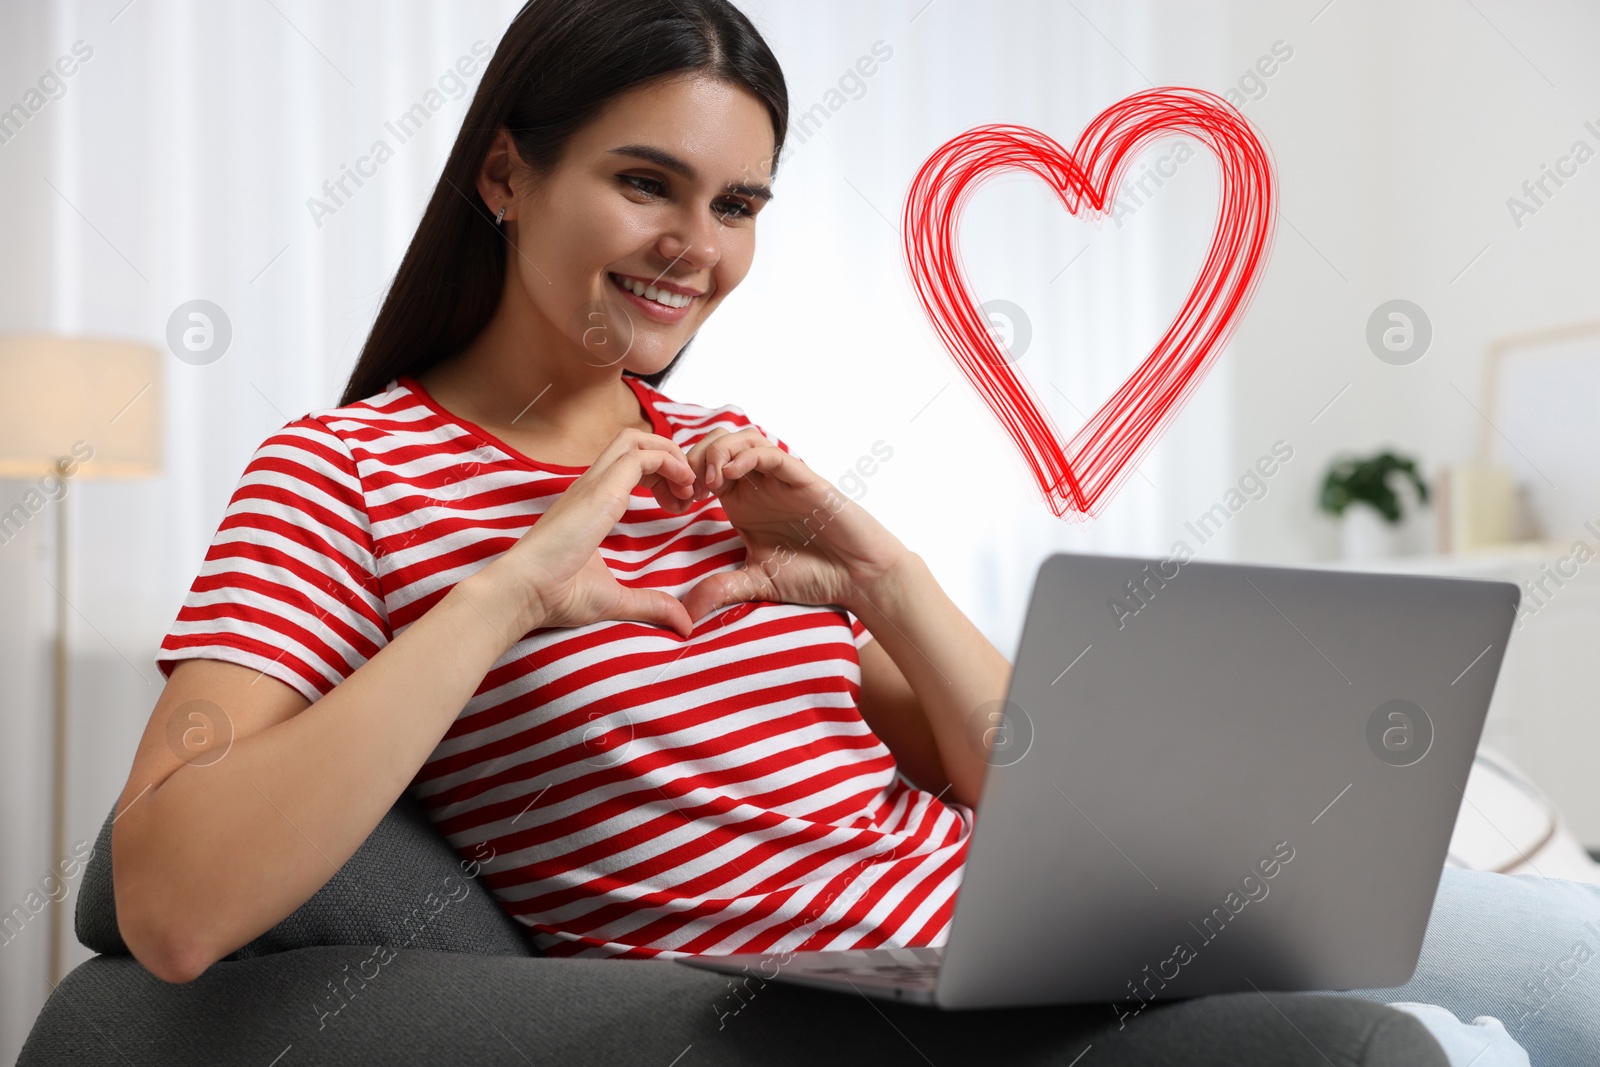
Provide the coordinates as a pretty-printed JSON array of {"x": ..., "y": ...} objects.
[{"x": 404, "y": 958}]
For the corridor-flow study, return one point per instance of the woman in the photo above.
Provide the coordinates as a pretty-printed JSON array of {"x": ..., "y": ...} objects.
[{"x": 631, "y": 646}]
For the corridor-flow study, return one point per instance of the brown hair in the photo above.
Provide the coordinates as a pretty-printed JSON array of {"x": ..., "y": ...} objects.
[{"x": 559, "y": 63}]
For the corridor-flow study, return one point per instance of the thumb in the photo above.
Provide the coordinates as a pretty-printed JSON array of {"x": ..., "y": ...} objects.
[
  {"x": 724, "y": 588},
  {"x": 656, "y": 606}
]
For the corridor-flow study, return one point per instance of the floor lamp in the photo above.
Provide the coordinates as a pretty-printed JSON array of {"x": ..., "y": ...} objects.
[{"x": 71, "y": 409}]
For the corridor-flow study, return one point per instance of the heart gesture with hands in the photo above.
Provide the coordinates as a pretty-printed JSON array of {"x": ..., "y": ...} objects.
[{"x": 805, "y": 542}]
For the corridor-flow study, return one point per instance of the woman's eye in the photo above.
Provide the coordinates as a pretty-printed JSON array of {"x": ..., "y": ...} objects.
[
  {"x": 634, "y": 179},
  {"x": 728, "y": 210}
]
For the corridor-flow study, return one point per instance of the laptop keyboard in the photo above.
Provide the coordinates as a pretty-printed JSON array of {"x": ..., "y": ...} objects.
[{"x": 921, "y": 975}]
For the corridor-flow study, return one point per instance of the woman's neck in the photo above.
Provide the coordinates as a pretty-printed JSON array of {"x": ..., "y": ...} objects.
[{"x": 525, "y": 383}]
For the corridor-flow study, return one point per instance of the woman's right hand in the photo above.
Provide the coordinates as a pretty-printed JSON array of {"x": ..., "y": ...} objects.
[{"x": 555, "y": 574}]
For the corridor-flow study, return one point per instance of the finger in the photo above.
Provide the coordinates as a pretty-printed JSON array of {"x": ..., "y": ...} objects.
[
  {"x": 698, "y": 449},
  {"x": 768, "y": 459},
  {"x": 719, "y": 590},
  {"x": 713, "y": 451},
  {"x": 672, "y": 483},
  {"x": 697, "y": 459},
  {"x": 657, "y": 468},
  {"x": 720, "y": 451},
  {"x": 634, "y": 440},
  {"x": 678, "y": 474},
  {"x": 652, "y": 468},
  {"x": 656, "y": 607},
  {"x": 671, "y": 498}
]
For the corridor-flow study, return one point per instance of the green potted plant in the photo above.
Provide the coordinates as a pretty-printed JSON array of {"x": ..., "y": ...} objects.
[{"x": 1361, "y": 493}]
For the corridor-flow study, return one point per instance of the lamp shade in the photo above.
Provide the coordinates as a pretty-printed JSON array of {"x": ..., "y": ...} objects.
[{"x": 91, "y": 402}]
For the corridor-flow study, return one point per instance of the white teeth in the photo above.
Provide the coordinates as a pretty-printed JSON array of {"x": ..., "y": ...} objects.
[{"x": 650, "y": 292}]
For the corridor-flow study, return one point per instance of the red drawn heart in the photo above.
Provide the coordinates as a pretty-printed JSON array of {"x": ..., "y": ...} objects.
[{"x": 1079, "y": 477}]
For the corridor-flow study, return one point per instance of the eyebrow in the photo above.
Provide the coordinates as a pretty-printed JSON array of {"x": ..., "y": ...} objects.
[{"x": 668, "y": 161}]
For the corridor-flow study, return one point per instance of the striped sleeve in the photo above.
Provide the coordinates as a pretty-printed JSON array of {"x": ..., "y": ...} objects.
[
  {"x": 290, "y": 583},
  {"x": 858, "y": 629}
]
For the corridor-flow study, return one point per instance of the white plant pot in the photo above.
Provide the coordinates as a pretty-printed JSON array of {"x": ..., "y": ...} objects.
[{"x": 1367, "y": 535}]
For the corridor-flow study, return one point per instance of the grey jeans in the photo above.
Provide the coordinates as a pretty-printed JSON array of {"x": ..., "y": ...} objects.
[{"x": 1520, "y": 948}]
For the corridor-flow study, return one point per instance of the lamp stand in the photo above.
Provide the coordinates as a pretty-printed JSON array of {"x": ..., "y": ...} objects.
[{"x": 58, "y": 785}]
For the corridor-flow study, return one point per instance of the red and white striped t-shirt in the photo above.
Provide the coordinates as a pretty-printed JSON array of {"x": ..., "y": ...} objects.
[{"x": 644, "y": 794}]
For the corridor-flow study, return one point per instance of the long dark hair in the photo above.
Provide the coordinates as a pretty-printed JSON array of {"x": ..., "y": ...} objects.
[{"x": 559, "y": 63}]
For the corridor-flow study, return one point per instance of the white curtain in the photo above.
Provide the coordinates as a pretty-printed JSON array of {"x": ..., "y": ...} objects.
[{"x": 178, "y": 165}]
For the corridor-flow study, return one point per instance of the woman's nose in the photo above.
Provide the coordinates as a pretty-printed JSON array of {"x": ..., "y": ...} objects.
[{"x": 694, "y": 244}]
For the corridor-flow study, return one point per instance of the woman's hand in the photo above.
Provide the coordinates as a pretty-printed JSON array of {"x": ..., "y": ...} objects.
[
  {"x": 555, "y": 572},
  {"x": 805, "y": 542}
]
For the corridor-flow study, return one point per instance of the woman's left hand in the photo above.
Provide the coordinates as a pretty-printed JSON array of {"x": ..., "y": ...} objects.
[{"x": 805, "y": 542}]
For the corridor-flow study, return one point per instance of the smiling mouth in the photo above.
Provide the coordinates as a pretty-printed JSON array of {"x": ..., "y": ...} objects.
[{"x": 660, "y": 297}]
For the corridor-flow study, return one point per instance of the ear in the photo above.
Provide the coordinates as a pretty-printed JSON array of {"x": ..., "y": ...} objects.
[{"x": 502, "y": 174}]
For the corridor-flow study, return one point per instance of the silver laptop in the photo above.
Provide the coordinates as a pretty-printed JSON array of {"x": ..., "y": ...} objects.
[{"x": 1206, "y": 778}]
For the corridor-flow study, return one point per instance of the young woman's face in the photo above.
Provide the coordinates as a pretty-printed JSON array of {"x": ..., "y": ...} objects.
[{"x": 662, "y": 189}]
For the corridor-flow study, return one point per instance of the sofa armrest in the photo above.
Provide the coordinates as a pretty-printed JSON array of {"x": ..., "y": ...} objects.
[{"x": 404, "y": 887}]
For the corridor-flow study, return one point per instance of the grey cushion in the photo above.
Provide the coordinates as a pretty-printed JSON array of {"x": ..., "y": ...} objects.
[
  {"x": 381, "y": 896},
  {"x": 429, "y": 1007}
]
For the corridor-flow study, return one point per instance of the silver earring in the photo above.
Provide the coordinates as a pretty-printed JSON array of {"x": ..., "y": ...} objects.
[{"x": 500, "y": 216}]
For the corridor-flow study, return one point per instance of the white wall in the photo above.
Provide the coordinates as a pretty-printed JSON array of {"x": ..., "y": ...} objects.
[{"x": 1400, "y": 131}]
